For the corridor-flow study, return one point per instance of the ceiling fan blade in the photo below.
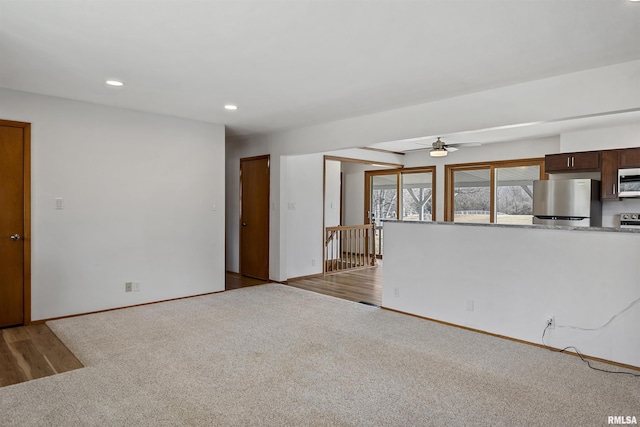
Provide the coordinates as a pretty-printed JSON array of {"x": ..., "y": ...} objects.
[
  {"x": 465, "y": 144},
  {"x": 425, "y": 143},
  {"x": 450, "y": 148}
]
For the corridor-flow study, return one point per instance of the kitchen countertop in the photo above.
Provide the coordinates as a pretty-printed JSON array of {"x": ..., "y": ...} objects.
[{"x": 536, "y": 226}]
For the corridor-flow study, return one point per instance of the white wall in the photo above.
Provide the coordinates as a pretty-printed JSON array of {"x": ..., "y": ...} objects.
[
  {"x": 138, "y": 192},
  {"x": 353, "y": 174},
  {"x": 603, "y": 138},
  {"x": 516, "y": 278},
  {"x": 232, "y": 204},
  {"x": 332, "y": 193},
  {"x": 304, "y": 237},
  {"x": 592, "y": 91}
]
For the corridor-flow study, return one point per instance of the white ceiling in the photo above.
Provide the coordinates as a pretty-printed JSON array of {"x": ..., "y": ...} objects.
[
  {"x": 289, "y": 64},
  {"x": 517, "y": 131}
]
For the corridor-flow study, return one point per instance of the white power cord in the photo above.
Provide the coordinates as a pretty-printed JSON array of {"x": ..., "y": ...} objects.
[{"x": 606, "y": 324}]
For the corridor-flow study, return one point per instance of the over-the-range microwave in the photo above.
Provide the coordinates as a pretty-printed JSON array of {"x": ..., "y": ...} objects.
[{"x": 629, "y": 182}]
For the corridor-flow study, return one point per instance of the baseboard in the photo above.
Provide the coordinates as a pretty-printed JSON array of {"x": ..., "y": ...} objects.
[
  {"x": 41, "y": 321},
  {"x": 595, "y": 359}
]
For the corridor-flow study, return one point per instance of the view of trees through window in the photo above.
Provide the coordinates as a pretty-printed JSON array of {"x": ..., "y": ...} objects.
[
  {"x": 512, "y": 190},
  {"x": 514, "y": 194},
  {"x": 384, "y": 197},
  {"x": 472, "y": 195},
  {"x": 417, "y": 200},
  {"x": 415, "y": 203}
]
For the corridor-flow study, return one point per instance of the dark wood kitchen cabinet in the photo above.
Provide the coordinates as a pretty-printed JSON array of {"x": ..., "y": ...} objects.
[
  {"x": 609, "y": 175},
  {"x": 629, "y": 158},
  {"x": 588, "y": 161}
]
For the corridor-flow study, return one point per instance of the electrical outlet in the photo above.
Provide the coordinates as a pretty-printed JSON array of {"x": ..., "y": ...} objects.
[
  {"x": 135, "y": 286},
  {"x": 550, "y": 322},
  {"x": 469, "y": 305},
  {"x": 128, "y": 286},
  {"x": 313, "y": 261},
  {"x": 396, "y": 292}
]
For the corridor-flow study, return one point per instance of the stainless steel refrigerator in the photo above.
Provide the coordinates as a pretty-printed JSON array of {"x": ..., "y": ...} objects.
[{"x": 569, "y": 202}]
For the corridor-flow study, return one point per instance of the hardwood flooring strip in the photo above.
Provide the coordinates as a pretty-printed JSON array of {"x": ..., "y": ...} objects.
[
  {"x": 30, "y": 352},
  {"x": 31, "y": 360},
  {"x": 236, "y": 281},
  {"x": 10, "y": 372},
  {"x": 54, "y": 350},
  {"x": 364, "y": 285}
]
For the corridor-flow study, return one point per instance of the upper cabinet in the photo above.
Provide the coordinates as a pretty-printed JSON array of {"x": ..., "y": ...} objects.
[
  {"x": 629, "y": 158},
  {"x": 588, "y": 161},
  {"x": 607, "y": 162}
]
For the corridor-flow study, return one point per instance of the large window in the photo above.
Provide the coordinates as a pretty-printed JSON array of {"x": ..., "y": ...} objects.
[
  {"x": 496, "y": 192},
  {"x": 404, "y": 194}
]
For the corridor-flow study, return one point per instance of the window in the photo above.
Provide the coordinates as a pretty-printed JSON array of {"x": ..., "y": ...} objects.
[
  {"x": 472, "y": 195},
  {"x": 492, "y": 192},
  {"x": 514, "y": 194},
  {"x": 417, "y": 196},
  {"x": 415, "y": 203},
  {"x": 384, "y": 197}
]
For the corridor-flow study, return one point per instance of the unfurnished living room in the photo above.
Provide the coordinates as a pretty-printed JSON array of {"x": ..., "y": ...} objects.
[{"x": 339, "y": 213}]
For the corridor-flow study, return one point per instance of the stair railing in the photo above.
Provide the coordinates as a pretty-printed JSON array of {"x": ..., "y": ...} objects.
[{"x": 349, "y": 247}]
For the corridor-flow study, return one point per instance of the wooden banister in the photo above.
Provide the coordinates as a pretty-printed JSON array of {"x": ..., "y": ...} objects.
[{"x": 349, "y": 247}]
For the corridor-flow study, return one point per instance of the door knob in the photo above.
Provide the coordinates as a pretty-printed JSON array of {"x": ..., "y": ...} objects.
[
  {"x": 244, "y": 224},
  {"x": 15, "y": 237}
]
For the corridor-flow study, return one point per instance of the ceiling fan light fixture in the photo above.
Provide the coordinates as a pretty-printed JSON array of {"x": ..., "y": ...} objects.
[
  {"x": 438, "y": 152},
  {"x": 114, "y": 83}
]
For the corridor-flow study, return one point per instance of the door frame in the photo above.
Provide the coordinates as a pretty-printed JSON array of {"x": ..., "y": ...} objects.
[
  {"x": 268, "y": 158},
  {"x": 26, "y": 179}
]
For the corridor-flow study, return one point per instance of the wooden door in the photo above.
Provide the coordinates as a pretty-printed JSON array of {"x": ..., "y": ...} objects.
[
  {"x": 14, "y": 223},
  {"x": 254, "y": 217}
]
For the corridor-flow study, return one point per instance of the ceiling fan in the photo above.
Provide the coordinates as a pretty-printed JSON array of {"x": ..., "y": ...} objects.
[{"x": 440, "y": 149}]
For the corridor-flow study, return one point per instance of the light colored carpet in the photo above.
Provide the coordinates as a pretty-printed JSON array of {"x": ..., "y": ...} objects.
[{"x": 277, "y": 355}]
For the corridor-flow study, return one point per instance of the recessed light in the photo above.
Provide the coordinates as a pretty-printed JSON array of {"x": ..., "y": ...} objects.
[
  {"x": 230, "y": 107},
  {"x": 115, "y": 83}
]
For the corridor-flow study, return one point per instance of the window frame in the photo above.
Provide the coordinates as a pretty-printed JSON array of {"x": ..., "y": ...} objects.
[
  {"x": 398, "y": 172},
  {"x": 449, "y": 184}
]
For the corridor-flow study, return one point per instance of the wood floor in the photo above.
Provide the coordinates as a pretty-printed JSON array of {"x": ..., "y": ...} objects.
[
  {"x": 235, "y": 281},
  {"x": 30, "y": 352},
  {"x": 364, "y": 285}
]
